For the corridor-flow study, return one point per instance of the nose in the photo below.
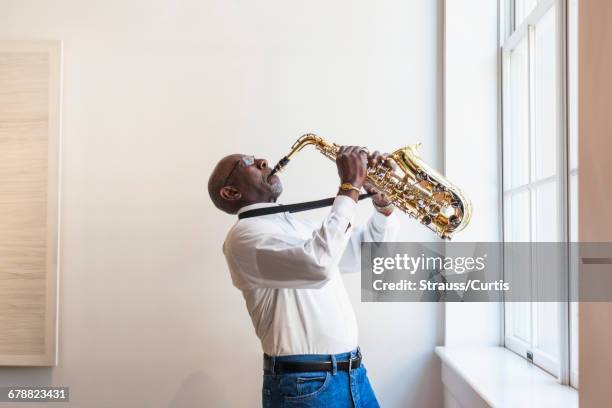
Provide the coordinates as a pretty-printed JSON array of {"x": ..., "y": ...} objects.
[{"x": 262, "y": 163}]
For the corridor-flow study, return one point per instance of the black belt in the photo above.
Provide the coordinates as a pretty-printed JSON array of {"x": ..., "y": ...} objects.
[{"x": 309, "y": 366}]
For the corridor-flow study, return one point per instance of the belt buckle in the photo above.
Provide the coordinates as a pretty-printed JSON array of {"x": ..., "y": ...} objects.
[{"x": 357, "y": 359}]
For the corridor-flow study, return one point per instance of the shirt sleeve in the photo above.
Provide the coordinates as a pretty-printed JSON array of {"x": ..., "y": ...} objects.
[
  {"x": 379, "y": 228},
  {"x": 264, "y": 256}
]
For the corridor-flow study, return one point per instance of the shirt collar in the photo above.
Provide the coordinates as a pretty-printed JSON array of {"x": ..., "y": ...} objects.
[{"x": 255, "y": 206}]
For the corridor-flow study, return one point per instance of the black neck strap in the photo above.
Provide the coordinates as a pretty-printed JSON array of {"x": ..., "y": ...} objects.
[{"x": 308, "y": 205}]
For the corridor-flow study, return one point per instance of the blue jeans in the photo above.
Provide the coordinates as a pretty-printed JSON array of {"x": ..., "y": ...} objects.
[{"x": 321, "y": 389}]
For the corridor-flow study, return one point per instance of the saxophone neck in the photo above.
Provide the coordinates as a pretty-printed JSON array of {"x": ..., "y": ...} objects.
[{"x": 304, "y": 140}]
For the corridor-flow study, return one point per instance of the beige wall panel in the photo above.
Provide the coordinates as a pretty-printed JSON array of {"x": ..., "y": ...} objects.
[
  {"x": 29, "y": 141},
  {"x": 595, "y": 223}
]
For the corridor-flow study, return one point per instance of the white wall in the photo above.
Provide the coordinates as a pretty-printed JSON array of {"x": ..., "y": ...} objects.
[
  {"x": 154, "y": 93},
  {"x": 471, "y": 139}
]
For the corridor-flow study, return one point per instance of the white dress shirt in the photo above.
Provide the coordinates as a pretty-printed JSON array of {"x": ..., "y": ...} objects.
[{"x": 288, "y": 270}]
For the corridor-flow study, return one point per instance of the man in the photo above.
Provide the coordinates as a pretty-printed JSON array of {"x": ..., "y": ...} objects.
[{"x": 288, "y": 271}]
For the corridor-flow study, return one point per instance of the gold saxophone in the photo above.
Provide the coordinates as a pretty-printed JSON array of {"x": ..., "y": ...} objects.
[{"x": 414, "y": 187}]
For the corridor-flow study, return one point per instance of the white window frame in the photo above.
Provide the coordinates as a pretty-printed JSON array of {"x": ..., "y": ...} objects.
[
  {"x": 572, "y": 123},
  {"x": 511, "y": 37}
]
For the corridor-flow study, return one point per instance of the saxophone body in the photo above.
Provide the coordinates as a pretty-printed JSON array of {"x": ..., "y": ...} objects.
[{"x": 414, "y": 188}]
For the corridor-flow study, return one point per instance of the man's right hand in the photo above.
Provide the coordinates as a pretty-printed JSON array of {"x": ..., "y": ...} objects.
[{"x": 352, "y": 162}]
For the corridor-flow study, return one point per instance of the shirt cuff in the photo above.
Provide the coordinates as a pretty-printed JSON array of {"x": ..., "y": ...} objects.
[
  {"x": 380, "y": 221},
  {"x": 345, "y": 207}
]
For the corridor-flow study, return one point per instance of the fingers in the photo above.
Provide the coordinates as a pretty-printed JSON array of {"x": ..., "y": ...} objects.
[
  {"x": 351, "y": 150},
  {"x": 373, "y": 159},
  {"x": 379, "y": 198},
  {"x": 388, "y": 162},
  {"x": 376, "y": 158},
  {"x": 352, "y": 165},
  {"x": 348, "y": 152},
  {"x": 354, "y": 150},
  {"x": 369, "y": 187},
  {"x": 359, "y": 151}
]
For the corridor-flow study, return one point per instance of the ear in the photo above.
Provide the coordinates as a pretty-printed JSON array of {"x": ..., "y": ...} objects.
[{"x": 230, "y": 193}]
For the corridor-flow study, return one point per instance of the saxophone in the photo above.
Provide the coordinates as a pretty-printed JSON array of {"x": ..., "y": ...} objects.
[{"x": 413, "y": 187}]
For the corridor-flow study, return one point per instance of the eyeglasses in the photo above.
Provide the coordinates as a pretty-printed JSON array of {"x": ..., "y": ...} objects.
[{"x": 246, "y": 161}]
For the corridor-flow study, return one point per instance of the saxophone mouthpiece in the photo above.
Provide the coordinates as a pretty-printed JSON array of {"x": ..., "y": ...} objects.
[{"x": 279, "y": 166}]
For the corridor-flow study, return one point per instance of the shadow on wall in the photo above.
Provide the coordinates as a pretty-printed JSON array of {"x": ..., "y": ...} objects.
[
  {"x": 431, "y": 373},
  {"x": 197, "y": 391},
  {"x": 422, "y": 392}
]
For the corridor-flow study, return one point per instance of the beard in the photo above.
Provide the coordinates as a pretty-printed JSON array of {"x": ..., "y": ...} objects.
[
  {"x": 276, "y": 189},
  {"x": 273, "y": 185}
]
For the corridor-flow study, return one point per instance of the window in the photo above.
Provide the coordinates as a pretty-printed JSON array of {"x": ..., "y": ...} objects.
[{"x": 540, "y": 168}]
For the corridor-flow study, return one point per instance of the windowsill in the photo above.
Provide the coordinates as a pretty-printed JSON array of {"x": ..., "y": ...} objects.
[{"x": 503, "y": 379}]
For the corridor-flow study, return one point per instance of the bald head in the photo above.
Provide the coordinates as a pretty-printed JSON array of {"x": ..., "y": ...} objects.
[
  {"x": 216, "y": 181},
  {"x": 239, "y": 180}
]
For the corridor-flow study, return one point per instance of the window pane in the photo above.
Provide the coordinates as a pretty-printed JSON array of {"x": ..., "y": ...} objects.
[
  {"x": 546, "y": 338},
  {"x": 522, "y": 8},
  {"x": 545, "y": 87},
  {"x": 517, "y": 217},
  {"x": 516, "y": 151},
  {"x": 521, "y": 320},
  {"x": 545, "y": 218}
]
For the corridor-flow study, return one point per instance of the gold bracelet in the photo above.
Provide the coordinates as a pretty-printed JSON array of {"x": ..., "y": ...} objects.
[{"x": 349, "y": 186}]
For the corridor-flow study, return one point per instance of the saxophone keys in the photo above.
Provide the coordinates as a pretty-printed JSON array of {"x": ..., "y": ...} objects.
[
  {"x": 422, "y": 178},
  {"x": 439, "y": 188},
  {"x": 434, "y": 209},
  {"x": 454, "y": 221},
  {"x": 440, "y": 197}
]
